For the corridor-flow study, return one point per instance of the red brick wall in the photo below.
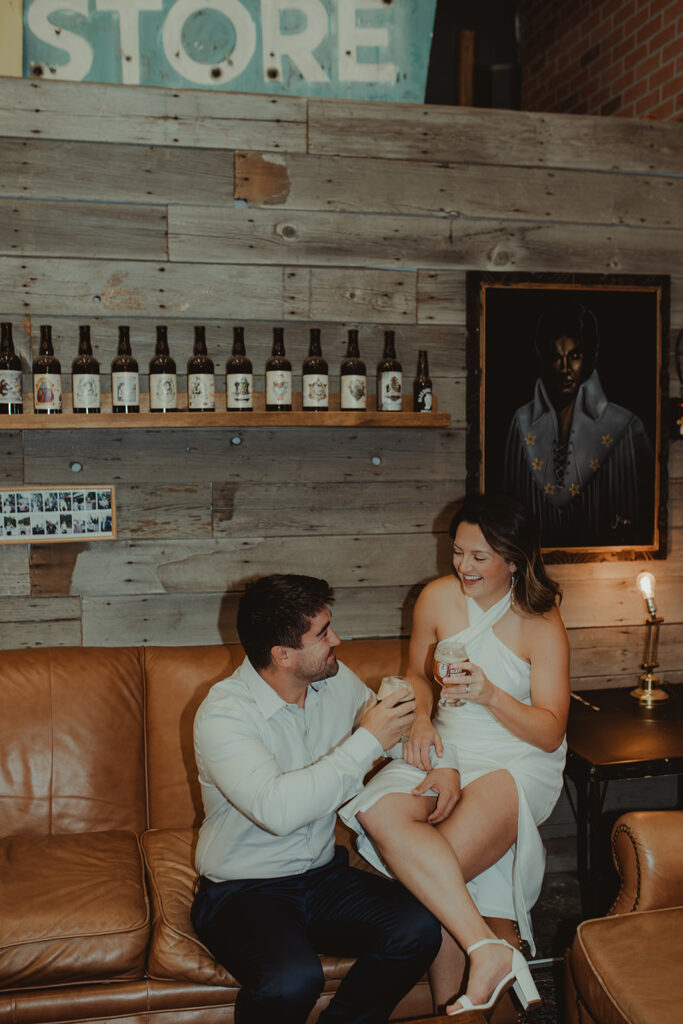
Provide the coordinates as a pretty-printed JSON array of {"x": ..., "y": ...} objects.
[{"x": 622, "y": 57}]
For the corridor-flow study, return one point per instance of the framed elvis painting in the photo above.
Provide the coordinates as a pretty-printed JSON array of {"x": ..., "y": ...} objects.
[{"x": 566, "y": 377}]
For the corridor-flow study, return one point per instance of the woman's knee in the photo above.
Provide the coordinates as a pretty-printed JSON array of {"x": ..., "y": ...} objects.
[{"x": 394, "y": 809}]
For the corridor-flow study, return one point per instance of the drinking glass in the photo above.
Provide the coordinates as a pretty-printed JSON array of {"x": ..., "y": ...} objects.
[
  {"x": 446, "y": 654},
  {"x": 390, "y": 684}
]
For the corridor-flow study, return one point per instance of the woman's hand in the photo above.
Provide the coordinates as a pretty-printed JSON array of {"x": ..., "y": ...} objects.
[
  {"x": 421, "y": 738},
  {"x": 475, "y": 686}
]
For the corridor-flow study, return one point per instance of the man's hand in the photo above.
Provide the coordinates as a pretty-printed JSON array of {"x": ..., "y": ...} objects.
[
  {"x": 390, "y": 718},
  {"x": 446, "y": 783}
]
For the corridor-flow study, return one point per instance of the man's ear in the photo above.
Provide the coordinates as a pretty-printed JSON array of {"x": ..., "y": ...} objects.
[{"x": 280, "y": 656}]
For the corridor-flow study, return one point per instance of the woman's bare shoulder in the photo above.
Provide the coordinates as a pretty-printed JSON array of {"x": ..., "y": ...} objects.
[
  {"x": 544, "y": 627},
  {"x": 443, "y": 588}
]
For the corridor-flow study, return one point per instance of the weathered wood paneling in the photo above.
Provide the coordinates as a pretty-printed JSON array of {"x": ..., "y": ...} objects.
[
  {"x": 157, "y": 510},
  {"x": 303, "y": 182},
  {"x": 150, "y": 116},
  {"x": 285, "y": 455},
  {"x": 618, "y": 651},
  {"x": 11, "y": 457},
  {"x": 45, "y": 169},
  {"x": 99, "y": 230},
  {"x": 14, "y": 577},
  {"x": 40, "y": 622},
  {"x": 303, "y": 237},
  {"x": 525, "y": 138}
]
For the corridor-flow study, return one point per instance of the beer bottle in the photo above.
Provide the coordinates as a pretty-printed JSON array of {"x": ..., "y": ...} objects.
[
  {"x": 239, "y": 379},
  {"x": 201, "y": 384},
  {"x": 353, "y": 381},
  {"x": 314, "y": 377},
  {"x": 85, "y": 375},
  {"x": 11, "y": 396},
  {"x": 125, "y": 381},
  {"x": 278, "y": 376},
  {"x": 422, "y": 385},
  {"x": 389, "y": 378},
  {"x": 47, "y": 376},
  {"x": 163, "y": 382}
]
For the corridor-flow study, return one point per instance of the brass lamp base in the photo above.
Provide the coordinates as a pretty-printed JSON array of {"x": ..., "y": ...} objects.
[{"x": 648, "y": 693}]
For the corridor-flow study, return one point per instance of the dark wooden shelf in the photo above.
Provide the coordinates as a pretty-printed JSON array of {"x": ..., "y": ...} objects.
[{"x": 258, "y": 417}]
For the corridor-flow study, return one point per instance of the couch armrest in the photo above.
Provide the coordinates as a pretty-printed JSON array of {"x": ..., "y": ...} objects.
[{"x": 646, "y": 849}]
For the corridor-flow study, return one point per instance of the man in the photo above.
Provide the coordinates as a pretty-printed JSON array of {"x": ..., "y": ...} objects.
[
  {"x": 582, "y": 464},
  {"x": 277, "y": 753}
]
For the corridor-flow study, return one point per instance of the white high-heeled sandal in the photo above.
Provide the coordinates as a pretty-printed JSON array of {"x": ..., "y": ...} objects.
[{"x": 519, "y": 977}]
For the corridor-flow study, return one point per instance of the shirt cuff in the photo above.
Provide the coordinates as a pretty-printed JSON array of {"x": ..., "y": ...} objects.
[{"x": 364, "y": 746}]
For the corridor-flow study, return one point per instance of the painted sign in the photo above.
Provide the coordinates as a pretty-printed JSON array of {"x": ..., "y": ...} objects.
[{"x": 357, "y": 49}]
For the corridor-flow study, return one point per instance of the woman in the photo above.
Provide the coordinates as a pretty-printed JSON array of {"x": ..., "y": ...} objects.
[{"x": 484, "y": 858}]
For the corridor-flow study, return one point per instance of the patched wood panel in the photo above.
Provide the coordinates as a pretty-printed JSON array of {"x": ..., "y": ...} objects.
[
  {"x": 197, "y": 566},
  {"x": 287, "y": 455},
  {"x": 331, "y": 508},
  {"x": 301, "y": 182},
  {"x": 11, "y": 457},
  {"x": 148, "y": 116},
  {"x": 81, "y": 287},
  {"x": 349, "y": 294},
  {"x": 301, "y": 237},
  {"x": 99, "y": 230},
  {"x": 14, "y": 570},
  {"x": 404, "y": 131},
  {"x": 210, "y": 618},
  {"x": 46, "y": 169},
  {"x": 40, "y": 622},
  {"x": 163, "y": 510}
]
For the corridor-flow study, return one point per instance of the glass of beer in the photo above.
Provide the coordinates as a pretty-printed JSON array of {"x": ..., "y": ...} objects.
[
  {"x": 390, "y": 684},
  {"x": 446, "y": 654}
]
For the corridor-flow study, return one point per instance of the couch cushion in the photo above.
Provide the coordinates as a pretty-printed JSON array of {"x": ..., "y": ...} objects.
[
  {"x": 175, "y": 951},
  {"x": 73, "y": 908},
  {"x": 67, "y": 714},
  {"x": 626, "y": 968}
]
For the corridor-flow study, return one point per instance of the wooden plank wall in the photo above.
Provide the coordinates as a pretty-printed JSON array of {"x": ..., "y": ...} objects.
[{"x": 145, "y": 206}]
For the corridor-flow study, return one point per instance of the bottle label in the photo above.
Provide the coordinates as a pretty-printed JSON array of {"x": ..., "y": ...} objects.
[
  {"x": 315, "y": 391},
  {"x": 423, "y": 400},
  {"x": 389, "y": 391},
  {"x": 163, "y": 391},
  {"x": 125, "y": 387},
  {"x": 278, "y": 387},
  {"x": 47, "y": 391},
  {"x": 86, "y": 388},
  {"x": 353, "y": 391},
  {"x": 201, "y": 391},
  {"x": 10, "y": 387},
  {"x": 239, "y": 390}
]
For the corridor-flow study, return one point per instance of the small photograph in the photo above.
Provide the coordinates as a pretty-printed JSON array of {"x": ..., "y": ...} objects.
[
  {"x": 24, "y": 526},
  {"x": 51, "y": 501},
  {"x": 51, "y": 524},
  {"x": 23, "y": 502},
  {"x": 93, "y": 524},
  {"x": 51, "y": 515},
  {"x": 104, "y": 499},
  {"x": 9, "y": 502},
  {"x": 79, "y": 524},
  {"x": 65, "y": 501},
  {"x": 105, "y": 524},
  {"x": 36, "y": 502},
  {"x": 65, "y": 523},
  {"x": 90, "y": 499},
  {"x": 37, "y": 526},
  {"x": 10, "y": 524},
  {"x": 78, "y": 501}
]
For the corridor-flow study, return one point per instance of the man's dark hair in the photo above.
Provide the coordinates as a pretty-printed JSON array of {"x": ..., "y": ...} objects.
[
  {"x": 276, "y": 611},
  {"x": 568, "y": 318}
]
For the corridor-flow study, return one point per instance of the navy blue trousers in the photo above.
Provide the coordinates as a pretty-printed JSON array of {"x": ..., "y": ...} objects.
[{"x": 268, "y": 932}]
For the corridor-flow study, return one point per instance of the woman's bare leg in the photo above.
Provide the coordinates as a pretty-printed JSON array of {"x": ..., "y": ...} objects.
[{"x": 435, "y": 862}]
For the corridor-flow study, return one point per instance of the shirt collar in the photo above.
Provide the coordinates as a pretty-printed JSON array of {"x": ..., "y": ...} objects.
[
  {"x": 590, "y": 397},
  {"x": 267, "y": 700}
]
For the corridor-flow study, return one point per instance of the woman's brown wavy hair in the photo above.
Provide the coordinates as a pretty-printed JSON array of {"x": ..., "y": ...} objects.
[{"x": 510, "y": 529}]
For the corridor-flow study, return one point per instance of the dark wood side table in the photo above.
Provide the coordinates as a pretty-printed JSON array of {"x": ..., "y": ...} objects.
[{"x": 619, "y": 741}]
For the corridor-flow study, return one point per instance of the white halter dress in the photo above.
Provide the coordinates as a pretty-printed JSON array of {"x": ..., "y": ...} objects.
[{"x": 476, "y": 743}]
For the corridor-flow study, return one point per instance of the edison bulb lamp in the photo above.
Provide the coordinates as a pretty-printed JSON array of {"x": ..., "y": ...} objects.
[{"x": 648, "y": 692}]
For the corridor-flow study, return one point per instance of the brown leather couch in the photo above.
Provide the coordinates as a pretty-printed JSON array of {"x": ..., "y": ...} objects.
[
  {"x": 99, "y": 810},
  {"x": 625, "y": 968}
]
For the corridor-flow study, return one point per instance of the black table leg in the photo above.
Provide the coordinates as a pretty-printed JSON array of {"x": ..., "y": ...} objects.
[{"x": 594, "y": 852}]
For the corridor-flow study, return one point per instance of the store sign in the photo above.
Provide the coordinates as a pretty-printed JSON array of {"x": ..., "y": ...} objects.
[{"x": 359, "y": 49}]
